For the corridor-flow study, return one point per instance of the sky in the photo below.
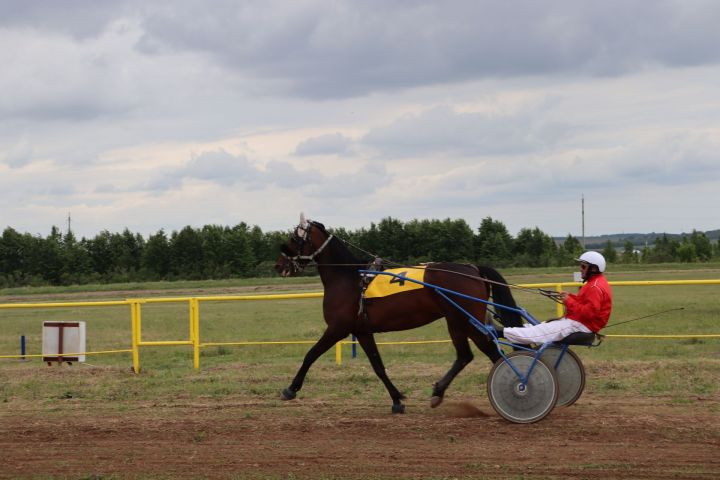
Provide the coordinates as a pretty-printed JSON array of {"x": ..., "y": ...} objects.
[{"x": 152, "y": 115}]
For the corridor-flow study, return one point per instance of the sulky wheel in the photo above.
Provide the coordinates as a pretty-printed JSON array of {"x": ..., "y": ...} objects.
[
  {"x": 570, "y": 374},
  {"x": 522, "y": 403}
]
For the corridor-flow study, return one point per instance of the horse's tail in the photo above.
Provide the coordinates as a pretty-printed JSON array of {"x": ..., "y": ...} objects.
[{"x": 501, "y": 295}]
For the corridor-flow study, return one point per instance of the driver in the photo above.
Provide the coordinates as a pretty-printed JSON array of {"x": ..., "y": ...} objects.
[{"x": 587, "y": 312}]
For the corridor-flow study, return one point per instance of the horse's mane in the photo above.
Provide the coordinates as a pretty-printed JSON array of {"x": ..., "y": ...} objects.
[{"x": 340, "y": 252}]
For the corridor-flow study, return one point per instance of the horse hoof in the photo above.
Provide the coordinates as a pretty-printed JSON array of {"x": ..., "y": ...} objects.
[
  {"x": 435, "y": 401},
  {"x": 398, "y": 408},
  {"x": 287, "y": 394}
]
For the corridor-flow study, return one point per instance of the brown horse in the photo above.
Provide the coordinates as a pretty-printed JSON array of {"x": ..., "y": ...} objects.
[{"x": 341, "y": 279}]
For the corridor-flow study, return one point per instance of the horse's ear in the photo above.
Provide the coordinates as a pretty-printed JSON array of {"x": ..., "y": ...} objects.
[{"x": 303, "y": 222}]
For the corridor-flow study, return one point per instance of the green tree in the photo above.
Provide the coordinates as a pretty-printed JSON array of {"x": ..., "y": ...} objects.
[
  {"x": 703, "y": 246},
  {"x": 534, "y": 248},
  {"x": 664, "y": 250},
  {"x": 369, "y": 240},
  {"x": 126, "y": 253},
  {"x": 609, "y": 252},
  {"x": 437, "y": 240},
  {"x": 51, "y": 261},
  {"x": 493, "y": 243},
  {"x": 456, "y": 241},
  {"x": 77, "y": 264},
  {"x": 262, "y": 246},
  {"x": 156, "y": 256},
  {"x": 391, "y": 236},
  {"x": 686, "y": 251},
  {"x": 242, "y": 258},
  {"x": 186, "y": 259},
  {"x": 569, "y": 251},
  {"x": 629, "y": 254},
  {"x": 100, "y": 253},
  {"x": 215, "y": 251},
  {"x": 12, "y": 258}
]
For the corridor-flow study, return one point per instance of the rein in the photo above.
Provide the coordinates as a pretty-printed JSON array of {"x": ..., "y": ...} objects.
[
  {"x": 551, "y": 294},
  {"x": 645, "y": 316},
  {"x": 296, "y": 259}
]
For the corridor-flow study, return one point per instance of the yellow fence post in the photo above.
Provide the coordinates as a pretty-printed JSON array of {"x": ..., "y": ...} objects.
[
  {"x": 135, "y": 320},
  {"x": 195, "y": 330},
  {"x": 338, "y": 353},
  {"x": 559, "y": 306}
]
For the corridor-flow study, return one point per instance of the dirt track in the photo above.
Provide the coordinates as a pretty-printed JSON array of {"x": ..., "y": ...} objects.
[{"x": 601, "y": 437}]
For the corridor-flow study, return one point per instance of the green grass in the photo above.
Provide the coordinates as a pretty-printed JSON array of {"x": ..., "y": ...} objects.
[{"x": 674, "y": 367}]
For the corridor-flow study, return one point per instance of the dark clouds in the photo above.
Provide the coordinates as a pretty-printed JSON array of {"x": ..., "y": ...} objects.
[
  {"x": 320, "y": 49},
  {"x": 357, "y": 109},
  {"x": 77, "y": 18}
]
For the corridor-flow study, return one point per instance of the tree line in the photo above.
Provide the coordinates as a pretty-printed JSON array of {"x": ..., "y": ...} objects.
[{"x": 216, "y": 252}]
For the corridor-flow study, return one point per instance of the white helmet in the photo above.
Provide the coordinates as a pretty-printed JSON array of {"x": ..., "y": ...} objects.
[{"x": 593, "y": 258}]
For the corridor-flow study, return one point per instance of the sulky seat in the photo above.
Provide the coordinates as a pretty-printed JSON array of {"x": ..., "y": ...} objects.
[{"x": 582, "y": 338}]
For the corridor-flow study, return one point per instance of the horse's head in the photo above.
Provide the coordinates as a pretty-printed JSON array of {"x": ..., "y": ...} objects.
[{"x": 306, "y": 242}]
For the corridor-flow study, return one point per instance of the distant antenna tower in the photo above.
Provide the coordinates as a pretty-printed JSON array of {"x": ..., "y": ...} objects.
[
  {"x": 69, "y": 222},
  {"x": 582, "y": 213}
]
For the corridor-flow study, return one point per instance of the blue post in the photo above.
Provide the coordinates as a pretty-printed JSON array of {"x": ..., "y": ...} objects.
[
  {"x": 354, "y": 347},
  {"x": 22, "y": 347}
]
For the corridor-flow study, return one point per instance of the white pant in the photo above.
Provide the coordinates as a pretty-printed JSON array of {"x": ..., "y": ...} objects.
[{"x": 544, "y": 332}]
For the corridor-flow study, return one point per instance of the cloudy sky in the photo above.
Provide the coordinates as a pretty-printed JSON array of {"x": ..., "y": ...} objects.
[{"x": 160, "y": 114}]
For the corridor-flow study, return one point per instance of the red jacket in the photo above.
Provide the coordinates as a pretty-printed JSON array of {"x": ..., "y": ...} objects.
[{"x": 592, "y": 305}]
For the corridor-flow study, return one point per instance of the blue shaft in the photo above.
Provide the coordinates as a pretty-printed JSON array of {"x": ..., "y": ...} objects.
[
  {"x": 524, "y": 313},
  {"x": 22, "y": 346},
  {"x": 490, "y": 332}
]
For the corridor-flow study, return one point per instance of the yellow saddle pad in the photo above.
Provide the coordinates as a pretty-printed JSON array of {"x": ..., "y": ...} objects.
[{"x": 384, "y": 285}]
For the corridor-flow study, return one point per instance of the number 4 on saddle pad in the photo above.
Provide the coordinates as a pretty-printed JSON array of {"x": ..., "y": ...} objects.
[{"x": 384, "y": 285}]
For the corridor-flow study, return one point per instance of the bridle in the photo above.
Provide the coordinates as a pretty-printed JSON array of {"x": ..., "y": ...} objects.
[{"x": 301, "y": 235}]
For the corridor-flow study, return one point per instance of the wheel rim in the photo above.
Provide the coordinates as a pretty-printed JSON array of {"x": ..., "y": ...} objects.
[{"x": 522, "y": 403}]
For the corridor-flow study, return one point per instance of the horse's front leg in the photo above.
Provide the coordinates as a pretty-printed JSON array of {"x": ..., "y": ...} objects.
[
  {"x": 328, "y": 339},
  {"x": 367, "y": 342}
]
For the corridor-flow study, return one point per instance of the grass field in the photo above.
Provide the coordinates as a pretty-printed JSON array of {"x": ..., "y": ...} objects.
[
  {"x": 108, "y": 328},
  {"x": 238, "y": 386}
]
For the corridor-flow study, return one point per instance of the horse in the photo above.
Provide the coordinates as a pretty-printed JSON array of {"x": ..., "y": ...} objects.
[{"x": 342, "y": 282}]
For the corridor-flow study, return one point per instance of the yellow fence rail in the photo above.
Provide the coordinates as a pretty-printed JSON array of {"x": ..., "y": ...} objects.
[{"x": 135, "y": 306}]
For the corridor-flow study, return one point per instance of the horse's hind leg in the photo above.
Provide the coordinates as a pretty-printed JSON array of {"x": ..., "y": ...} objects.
[
  {"x": 328, "y": 339},
  {"x": 367, "y": 342},
  {"x": 464, "y": 356},
  {"x": 487, "y": 346}
]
